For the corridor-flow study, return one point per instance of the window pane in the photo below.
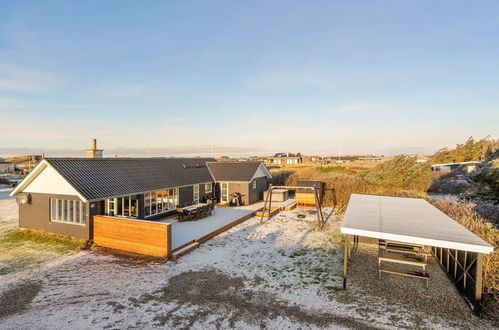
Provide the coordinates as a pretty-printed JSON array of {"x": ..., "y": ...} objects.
[
  {"x": 59, "y": 210},
  {"x": 69, "y": 211},
  {"x": 77, "y": 218},
  {"x": 147, "y": 204},
  {"x": 52, "y": 208}
]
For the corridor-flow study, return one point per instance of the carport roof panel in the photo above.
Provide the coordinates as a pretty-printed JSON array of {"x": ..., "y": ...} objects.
[{"x": 410, "y": 220}]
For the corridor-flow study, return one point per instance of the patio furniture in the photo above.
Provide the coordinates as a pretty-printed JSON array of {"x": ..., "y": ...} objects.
[
  {"x": 192, "y": 212},
  {"x": 404, "y": 259},
  {"x": 404, "y": 248}
]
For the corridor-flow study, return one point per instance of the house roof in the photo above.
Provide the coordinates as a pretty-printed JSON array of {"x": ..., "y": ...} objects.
[
  {"x": 234, "y": 171},
  {"x": 110, "y": 177},
  {"x": 459, "y": 163}
]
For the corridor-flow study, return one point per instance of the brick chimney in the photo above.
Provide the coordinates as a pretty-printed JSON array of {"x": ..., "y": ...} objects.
[{"x": 94, "y": 152}]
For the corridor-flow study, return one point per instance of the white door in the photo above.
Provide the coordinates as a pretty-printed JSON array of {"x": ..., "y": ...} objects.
[
  {"x": 196, "y": 194},
  {"x": 224, "y": 192}
]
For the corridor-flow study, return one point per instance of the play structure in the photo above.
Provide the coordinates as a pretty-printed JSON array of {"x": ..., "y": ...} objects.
[{"x": 308, "y": 195}]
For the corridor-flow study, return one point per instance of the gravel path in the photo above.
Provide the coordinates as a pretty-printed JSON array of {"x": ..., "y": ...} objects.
[{"x": 392, "y": 293}]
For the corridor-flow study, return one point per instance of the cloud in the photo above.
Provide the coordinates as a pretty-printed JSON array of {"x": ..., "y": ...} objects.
[{"x": 15, "y": 78}]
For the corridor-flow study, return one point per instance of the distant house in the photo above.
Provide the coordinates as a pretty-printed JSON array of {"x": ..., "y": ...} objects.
[
  {"x": 464, "y": 166},
  {"x": 9, "y": 168},
  {"x": 284, "y": 158},
  {"x": 250, "y": 179},
  {"x": 371, "y": 159},
  {"x": 311, "y": 159},
  {"x": 422, "y": 159}
]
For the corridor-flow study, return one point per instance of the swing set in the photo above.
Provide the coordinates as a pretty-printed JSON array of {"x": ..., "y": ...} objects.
[{"x": 267, "y": 208}]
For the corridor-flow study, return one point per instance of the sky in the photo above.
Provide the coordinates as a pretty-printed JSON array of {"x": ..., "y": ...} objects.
[{"x": 238, "y": 78}]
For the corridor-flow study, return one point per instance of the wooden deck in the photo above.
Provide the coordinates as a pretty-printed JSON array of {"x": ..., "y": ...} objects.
[{"x": 186, "y": 236}]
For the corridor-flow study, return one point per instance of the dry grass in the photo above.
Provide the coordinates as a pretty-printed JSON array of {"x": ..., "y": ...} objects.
[
  {"x": 464, "y": 214},
  {"x": 21, "y": 249},
  {"x": 343, "y": 181}
]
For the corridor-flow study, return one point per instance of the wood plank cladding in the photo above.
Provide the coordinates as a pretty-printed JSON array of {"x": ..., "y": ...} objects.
[
  {"x": 307, "y": 198},
  {"x": 138, "y": 236}
]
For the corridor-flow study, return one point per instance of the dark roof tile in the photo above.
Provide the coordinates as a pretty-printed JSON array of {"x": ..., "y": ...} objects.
[
  {"x": 233, "y": 171},
  {"x": 110, "y": 177}
]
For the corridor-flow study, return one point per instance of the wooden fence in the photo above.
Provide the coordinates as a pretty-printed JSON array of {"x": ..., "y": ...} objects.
[
  {"x": 465, "y": 270},
  {"x": 138, "y": 236}
]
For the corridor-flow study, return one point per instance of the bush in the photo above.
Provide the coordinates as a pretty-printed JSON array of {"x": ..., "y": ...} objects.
[
  {"x": 279, "y": 177},
  {"x": 400, "y": 172},
  {"x": 341, "y": 185},
  {"x": 470, "y": 150}
]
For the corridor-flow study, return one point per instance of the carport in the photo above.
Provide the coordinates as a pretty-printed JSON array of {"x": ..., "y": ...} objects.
[{"x": 409, "y": 223}]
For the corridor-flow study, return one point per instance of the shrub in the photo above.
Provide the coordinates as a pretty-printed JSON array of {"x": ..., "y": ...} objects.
[
  {"x": 400, "y": 172},
  {"x": 279, "y": 177},
  {"x": 339, "y": 186},
  {"x": 470, "y": 150}
]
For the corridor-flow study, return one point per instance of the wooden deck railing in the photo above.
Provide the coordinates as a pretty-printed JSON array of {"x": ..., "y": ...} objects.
[{"x": 138, "y": 236}]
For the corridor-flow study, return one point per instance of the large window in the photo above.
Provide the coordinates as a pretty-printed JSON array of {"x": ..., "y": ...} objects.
[
  {"x": 195, "y": 196},
  {"x": 67, "y": 211},
  {"x": 207, "y": 188},
  {"x": 127, "y": 206},
  {"x": 160, "y": 201}
]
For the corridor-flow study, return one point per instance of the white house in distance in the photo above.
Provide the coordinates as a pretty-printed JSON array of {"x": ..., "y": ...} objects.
[{"x": 465, "y": 166}]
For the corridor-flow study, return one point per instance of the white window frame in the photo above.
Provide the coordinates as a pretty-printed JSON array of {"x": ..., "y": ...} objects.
[
  {"x": 59, "y": 211},
  {"x": 208, "y": 188},
  {"x": 224, "y": 198},
  {"x": 195, "y": 193},
  {"x": 159, "y": 196},
  {"x": 254, "y": 184}
]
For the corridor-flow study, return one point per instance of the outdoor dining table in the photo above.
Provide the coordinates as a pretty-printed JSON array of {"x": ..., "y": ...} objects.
[{"x": 193, "y": 207}]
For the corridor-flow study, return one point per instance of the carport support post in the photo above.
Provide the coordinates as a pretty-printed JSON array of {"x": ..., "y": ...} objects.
[
  {"x": 345, "y": 261},
  {"x": 478, "y": 279}
]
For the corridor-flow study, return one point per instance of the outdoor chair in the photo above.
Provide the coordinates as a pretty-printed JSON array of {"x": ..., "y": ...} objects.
[{"x": 193, "y": 214}]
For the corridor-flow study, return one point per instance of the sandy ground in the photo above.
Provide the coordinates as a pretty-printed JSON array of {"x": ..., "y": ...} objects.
[{"x": 283, "y": 274}]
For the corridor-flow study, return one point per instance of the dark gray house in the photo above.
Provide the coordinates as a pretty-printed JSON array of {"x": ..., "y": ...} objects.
[
  {"x": 250, "y": 179},
  {"x": 61, "y": 195}
]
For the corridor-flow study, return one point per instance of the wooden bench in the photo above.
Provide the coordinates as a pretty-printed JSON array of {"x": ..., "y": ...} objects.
[
  {"x": 410, "y": 273},
  {"x": 401, "y": 258},
  {"x": 404, "y": 248}
]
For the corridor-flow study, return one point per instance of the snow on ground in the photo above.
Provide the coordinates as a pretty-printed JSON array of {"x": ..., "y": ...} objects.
[
  {"x": 8, "y": 209},
  {"x": 283, "y": 274},
  {"x": 186, "y": 231}
]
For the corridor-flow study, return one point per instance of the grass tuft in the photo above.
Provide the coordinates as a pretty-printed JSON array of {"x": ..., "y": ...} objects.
[{"x": 56, "y": 243}]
